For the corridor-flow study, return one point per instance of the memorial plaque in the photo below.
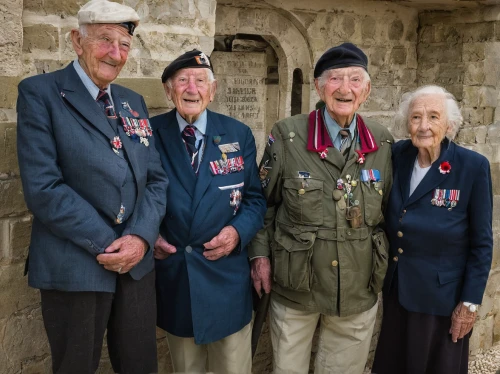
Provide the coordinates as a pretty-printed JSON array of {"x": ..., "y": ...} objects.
[{"x": 241, "y": 90}]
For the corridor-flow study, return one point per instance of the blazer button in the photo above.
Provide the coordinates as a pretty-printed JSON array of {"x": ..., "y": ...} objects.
[
  {"x": 400, "y": 234},
  {"x": 335, "y": 263},
  {"x": 400, "y": 250},
  {"x": 395, "y": 258},
  {"x": 189, "y": 249}
]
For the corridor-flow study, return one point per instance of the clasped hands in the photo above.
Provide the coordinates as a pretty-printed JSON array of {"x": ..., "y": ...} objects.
[
  {"x": 221, "y": 245},
  {"x": 123, "y": 254},
  {"x": 462, "y": 321}
]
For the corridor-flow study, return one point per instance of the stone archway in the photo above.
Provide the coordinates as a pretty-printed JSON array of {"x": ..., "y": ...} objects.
[{"x": 285, "y": 38}]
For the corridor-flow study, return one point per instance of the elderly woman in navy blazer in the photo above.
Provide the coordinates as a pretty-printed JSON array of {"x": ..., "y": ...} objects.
[{"x": 439, "y": 221}]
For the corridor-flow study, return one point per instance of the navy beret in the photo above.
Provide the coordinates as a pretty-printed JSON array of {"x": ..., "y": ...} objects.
[
  {"x": 342, "y": 56},
  {"x": 191, "y": 59}
]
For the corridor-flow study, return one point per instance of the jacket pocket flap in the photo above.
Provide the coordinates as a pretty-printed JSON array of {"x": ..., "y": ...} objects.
[
  {"x": 300, "y": 242},
  {"x": 297, "y": 184},
  {"x": 450, "y": 276}
]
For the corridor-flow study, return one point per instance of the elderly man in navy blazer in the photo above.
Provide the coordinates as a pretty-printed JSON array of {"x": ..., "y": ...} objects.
[
  {"x": 93, "y": 179},
  {"x": 215, "y": 207}
]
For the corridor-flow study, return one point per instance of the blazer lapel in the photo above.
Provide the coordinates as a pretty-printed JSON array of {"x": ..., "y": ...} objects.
[
  {"x": 173, "y": 146},
  {"x": 433, "y": 178},
  {"x": 76, "y": 94},
  {"x": 211, "y": 153}
]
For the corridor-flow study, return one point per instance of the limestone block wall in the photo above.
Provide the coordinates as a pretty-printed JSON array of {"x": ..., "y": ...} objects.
[
  {"x": 406, "y": 47},
  {"x": 34, "y": 39},
  {"x": 460, "y": 50}
]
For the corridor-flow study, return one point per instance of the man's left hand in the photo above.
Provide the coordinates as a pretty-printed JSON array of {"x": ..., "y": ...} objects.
[
  {"x": 221, "y": 245},
  {"x": 123, "y": 254},
  {"x": 462, "y": 321}
]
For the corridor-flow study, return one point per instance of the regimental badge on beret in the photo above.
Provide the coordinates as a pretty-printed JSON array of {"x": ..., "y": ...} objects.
[
  {"x": 191, "y": 59},
  {"x": 202, "y": 59}
]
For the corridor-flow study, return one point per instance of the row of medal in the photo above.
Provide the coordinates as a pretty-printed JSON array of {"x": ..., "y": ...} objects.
[
  {"x": 227, "y": 165},
  {"x": 445, "y": 198}
]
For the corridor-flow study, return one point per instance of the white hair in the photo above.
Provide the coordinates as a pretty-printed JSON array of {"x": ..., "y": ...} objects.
[
  {"x": 83, "y": 30},
  {"x": 325, "y": 75},
  {"x": 210, "y": 76},
  {"x": 453, "y": 116}
]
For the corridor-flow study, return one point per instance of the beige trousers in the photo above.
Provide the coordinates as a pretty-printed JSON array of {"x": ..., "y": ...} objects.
[
  {"x": 231, "y": 355},
  {"x": 343, "y": 346}
]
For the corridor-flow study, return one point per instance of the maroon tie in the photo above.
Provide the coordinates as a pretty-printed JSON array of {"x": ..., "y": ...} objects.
[
  {"x": 189, "y": 137},
  {"x": 105, "y": 104}
]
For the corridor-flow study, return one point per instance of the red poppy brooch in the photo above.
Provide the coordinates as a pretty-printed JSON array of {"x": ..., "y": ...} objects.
[{"x": 445, "y": 167}]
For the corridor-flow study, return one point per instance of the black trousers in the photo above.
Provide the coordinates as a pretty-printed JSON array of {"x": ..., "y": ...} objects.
[
  {"x": 417, "y": 343},
  {"x": 75, "y": 323}
]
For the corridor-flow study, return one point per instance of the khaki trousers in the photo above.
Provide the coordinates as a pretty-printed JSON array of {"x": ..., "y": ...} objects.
[
  {"x": 231, "y": 355},
  {"x": 343, "y": 346}
]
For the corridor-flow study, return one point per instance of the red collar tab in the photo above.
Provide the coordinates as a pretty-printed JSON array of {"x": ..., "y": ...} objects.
[{"x": 318, "y": 139}]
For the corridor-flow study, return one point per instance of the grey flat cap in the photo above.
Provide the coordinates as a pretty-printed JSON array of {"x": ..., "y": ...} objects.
[{"x": 104, "y": 11}]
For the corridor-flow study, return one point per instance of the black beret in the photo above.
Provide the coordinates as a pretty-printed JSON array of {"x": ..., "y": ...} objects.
[
  {"x": 342, "y": 56},
  {"x": 192, "y": 59}
]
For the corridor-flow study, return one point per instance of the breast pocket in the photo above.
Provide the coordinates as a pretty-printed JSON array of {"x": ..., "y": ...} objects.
[
  {"x": 373, "y": 194},
  {"x": 303, "y": 200}
]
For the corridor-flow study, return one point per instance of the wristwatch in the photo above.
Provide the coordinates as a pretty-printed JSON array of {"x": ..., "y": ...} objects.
[{"x": 472, "y": 307}]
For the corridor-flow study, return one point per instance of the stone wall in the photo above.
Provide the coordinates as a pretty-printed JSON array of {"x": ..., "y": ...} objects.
[
  {"x": 461, "y": 51},
  {"x": 406, "y": 47},
  {"x": 35, "y": 39}
]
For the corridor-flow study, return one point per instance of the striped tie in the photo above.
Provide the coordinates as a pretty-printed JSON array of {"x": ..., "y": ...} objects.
[
  {"x": 345, "y": 140},
  {"x": 105, "y": 104},
  {"x": 189, "y": 138}
]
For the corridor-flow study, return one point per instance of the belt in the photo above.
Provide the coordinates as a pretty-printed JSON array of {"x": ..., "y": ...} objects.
[{"x": 342, "y": 234}]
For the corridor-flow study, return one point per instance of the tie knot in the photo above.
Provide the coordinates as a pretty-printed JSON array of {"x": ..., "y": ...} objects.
[
  {"x": 188, "y": 134},
  {"x": 344, "y": 133},
  {"x": 102, "y": 96}
]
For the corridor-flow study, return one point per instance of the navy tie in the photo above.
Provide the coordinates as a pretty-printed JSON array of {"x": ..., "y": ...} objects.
[
  {"x": 189, "y": 137},
  {"x": 105, "y": 103}
]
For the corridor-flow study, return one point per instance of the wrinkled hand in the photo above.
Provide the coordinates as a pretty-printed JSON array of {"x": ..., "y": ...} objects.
[
  {"x": 163, "y": 249},
  {"x": 261, "y": 274},
  {"x": 123, "y": 254},
  {"x": 221, "y": 245},
  {"x": 462, "y": 321}
]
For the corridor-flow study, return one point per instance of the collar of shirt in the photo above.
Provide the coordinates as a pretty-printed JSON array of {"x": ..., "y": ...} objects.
[
  {"x": 334, "y": 128},
  {"x": 87, "y": 82},
  {"x": 200, "y": 124}
]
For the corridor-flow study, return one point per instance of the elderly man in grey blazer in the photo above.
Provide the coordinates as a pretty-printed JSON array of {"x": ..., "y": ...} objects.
[{"x": 93, "y": 179}]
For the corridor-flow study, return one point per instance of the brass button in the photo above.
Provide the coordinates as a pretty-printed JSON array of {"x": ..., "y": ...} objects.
[
  {"x": 404, "y": 210},
  {"x": 354, "y": 183},
  {"x": 335, "y": 263},
  {"x": 302, "y": 191},
  {"x": 395, "y": 258},
  {"x": 189, "y": 249},
  {"x": 400, "y": 234},
  {"x": 380, "y": 192},
  {"x": 400, "y": 250},
  {"x": 349, "y": 232},
  {"x": 337, "y": 195}
]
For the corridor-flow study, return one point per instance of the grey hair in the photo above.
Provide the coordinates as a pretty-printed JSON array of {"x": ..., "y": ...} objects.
[
  {"x": 453, "y": 115},
  {"x": 84, "y": 31},
  {"x": 324, "y": 77},
  {"x": 210, "y": 75}
]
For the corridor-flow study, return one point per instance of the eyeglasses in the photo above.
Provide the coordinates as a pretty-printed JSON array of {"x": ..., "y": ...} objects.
[{"x": 355, "y": 80}]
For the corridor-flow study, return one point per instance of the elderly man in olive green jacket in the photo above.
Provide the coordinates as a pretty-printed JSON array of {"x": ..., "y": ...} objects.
[{"x": 326, "y": 177}]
